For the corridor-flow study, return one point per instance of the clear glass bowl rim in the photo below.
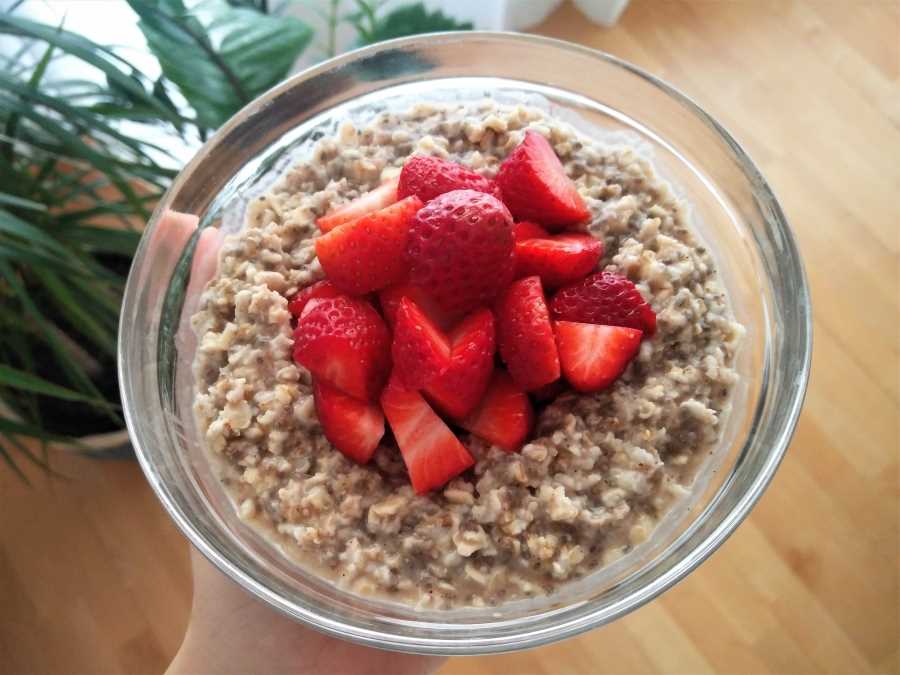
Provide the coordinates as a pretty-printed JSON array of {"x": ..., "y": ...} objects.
[{"x": 800, "y": 345}]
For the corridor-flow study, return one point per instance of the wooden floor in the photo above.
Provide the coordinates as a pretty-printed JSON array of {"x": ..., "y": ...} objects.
[{"x": 94, "y": 578}]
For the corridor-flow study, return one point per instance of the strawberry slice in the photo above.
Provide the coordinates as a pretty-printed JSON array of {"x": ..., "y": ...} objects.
[
  {"x": 526, "y": 230},
  {"x": 370, "y": 252},
  {"x": 593, "y": 356},
  {"x": 604, "y": 298},
  {"x": 472, "y": 346},
  {"x": 525, "y": 334},
  {"x": 559, "y": 260},
  {"x": 427, "y": 177},
  {"x": 535, "y": 185},
  {"x": 382, "y": 196},
  {"x": 344, "y": 342},
  {"x": 318, "y": 290},
  {"x": 390, "y": 298},
  {"x": 421, "y": 350},
  {"x": 504, "y": 417},
  {"x": 352, "y": 426},
  {"x": 431, "y": 451}
]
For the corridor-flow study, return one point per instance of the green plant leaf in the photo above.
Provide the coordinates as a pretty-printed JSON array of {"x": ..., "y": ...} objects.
[
  {"x": 20, "y": 379},
  {"x": 104, "y": 59},
  {"x": 21, "y": 202},
  {"x": 73, "y": 371},
  {"x": 8, "y": 426},
  {"x": 73, "y": 309},
  {"x": 13, "y": 120},
  {"x": 4, "y": 453},
  {"x": 101, "y": 239},
  {"x": 41, "y": 463},
  {"x": 220, "y": 64},
  {"x": 406, "y": 20}
]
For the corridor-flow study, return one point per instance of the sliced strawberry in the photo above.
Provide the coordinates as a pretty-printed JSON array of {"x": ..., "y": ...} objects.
[
  {"x": 525, "y": 334},
  {"x": 593, "y": 356},
  {"x": 421, "y": 350},
  {"x": 382, "y": 196},
  {"x": 428, "y": 177},
  {"x": 318, "y": 290},
  {"x": 535, "y": 185},
  {"x": 504, "y": 417},
  {"x": 472, "y": 345},
  {"x": 526, "y": 230},
  {"x": 431, "y": 451},
  {"x": 352, "y": 426},
  {"x": 390, "y": 298},
  {"x": 344, "y": 342},
  {"x": 604, "y": 298},
  {"x": 559, "y": 260},
  {"x": 369, "y": 253},
  {"x": 461, "y": 249}
]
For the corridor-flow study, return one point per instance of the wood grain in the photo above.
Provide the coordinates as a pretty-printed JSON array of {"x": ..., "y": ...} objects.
[{"x": 95, "y": 579}]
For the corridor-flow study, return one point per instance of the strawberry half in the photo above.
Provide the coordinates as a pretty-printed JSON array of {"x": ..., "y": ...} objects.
[
  {"x": 431, "y": 451},
  {"x": 421, "y": 350},
  {"x": 382, "y": 196},
  {"x": 593, "y": 356},
  {"x": 525, "y": 230},
  {"x": 427, "y": 177},
  {"x": 461, "y": 249},
  {"x": 504, "y": 417},
  {"x": 472, "y": 345},
  {"x": 318, "y": 290},
  {"x": 369, "y": 253},
  {"x": 604, "y": 298},
  {"x": 535, "y": 185},
  {"x": 559, "y": 260},
  {"x": 352, "y": 426},
  {"x": 525, "y": 335},
  {"x": 390, "y": 298},
  {"x": 344, "y": 342}
]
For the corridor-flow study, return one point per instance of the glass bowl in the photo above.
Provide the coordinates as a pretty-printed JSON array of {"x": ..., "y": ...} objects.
[{"x": 731, "y": 205}]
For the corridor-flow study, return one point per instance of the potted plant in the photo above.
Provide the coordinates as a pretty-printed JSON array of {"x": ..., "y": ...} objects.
[{"x": 81, "y": 177}]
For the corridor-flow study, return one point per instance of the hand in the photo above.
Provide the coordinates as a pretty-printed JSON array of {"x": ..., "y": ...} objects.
[
  {"x": 229, "y": 630},
  {"x": 232, "y": 632}
]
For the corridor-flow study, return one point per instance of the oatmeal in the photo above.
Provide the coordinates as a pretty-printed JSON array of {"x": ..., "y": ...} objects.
[{"x": 599, "y": 470}]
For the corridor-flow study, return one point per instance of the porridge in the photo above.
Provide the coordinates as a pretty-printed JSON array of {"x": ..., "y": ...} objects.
[{"x": 580, "y": 483}]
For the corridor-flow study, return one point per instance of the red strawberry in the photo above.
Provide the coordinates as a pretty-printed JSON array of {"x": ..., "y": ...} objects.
[
  {"x": 382, "y": 196},
  {"x": 472, "y": 345},
  {"x": 431, "y": 451},
  {"x": 535, "y": 185},
  {"x": 370, "y": 252},
  {"x": 352, "y": 426},
  {"x": 525, "y": 334},
  {"x": 558, "y": 260},
  {"x": 421, "y": 350},
  {"x": 504, "y": 417},
  {"x": 604, "y": 298},
  {"x": 428, "y": 177},
  {"x": 391, "y": 296},
  {"x": 461, "y": 249},
  {"x": 527, "y": 230},
  {"x": 343, "y": 342},
  {"x": 318, "y": 290},
  {"x": 593, "y": 356}
]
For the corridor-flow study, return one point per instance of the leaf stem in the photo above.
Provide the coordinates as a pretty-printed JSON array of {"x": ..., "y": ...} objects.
[{"x": 332, "y": 27}]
